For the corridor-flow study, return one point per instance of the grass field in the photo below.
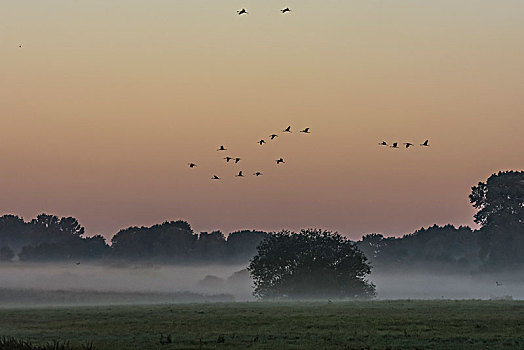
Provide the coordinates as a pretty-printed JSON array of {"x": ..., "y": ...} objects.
[{"x": 300, "y": 325}]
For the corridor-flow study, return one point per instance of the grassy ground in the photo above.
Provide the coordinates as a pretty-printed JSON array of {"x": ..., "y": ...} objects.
[{"x": 300, "y": 325}]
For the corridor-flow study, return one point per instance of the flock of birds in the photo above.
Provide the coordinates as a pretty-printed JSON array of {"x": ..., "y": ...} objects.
[
  {"x": 406, "y": 144},
  {"x": 261, "y": 142},
  {"x": 244, "y": 12}
]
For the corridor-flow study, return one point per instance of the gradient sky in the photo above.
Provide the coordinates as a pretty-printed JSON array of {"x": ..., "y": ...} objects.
[{"x": 107, "y": 101}]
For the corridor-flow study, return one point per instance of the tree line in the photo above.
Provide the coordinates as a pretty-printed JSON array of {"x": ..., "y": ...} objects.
[
  {"x": 498, "y": 244},
  {"x": 49, "y": 238}
]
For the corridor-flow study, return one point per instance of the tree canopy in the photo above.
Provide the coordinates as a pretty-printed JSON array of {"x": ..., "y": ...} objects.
[
  {"x": 500, "y": 199},
  {"x": 310, "y": 264}
]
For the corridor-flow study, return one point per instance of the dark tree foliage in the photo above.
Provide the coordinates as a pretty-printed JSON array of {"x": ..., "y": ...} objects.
[
  {"x": 14, "y": 232},
  {"x": 310, "y": 264},
  {"x": 500, "y": 199},
  {"x": 242, "y": 245},
  {"x": 171, "y": 241},
  {"x": 6, "y": 253},
  {"x": 212, "y": 246},
  {"x": 500, "y": 204},
  {"x": 434, "y": 247}
]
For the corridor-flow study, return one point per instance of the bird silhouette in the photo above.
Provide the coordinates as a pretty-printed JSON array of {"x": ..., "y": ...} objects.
[
  {"x": 78, "y": 263},
  {"x": 191, "y": 165},
  {"x": 280, "y": 160},
  {"x": 395, "y": 145},
  {"x": 383, "y": 143},
  {"x": 261, "y": 142},
  {"x": 288, "y": 129},
  {"x": 241, "y": 12},
  {"x": 237, "y": 160},
  {"x": 222, "y": 148},
  {"x": 408, "y": 144},
  {"x": 273, "y": 136},
  {"x": 240, "y": 174},
  {"x": 285, "y": 10},
  {"x": 426, "y": 143},
  {"x": 305, "y": 131},
  {"x": 498, "y": 283},
  {"x": 258, "y": 173},
  {"x": 228, "y": 159},
  {"x": 215, "y": 177}
]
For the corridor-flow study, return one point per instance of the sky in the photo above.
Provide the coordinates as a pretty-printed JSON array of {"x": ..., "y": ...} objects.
[{"x": 106, "y": 102}]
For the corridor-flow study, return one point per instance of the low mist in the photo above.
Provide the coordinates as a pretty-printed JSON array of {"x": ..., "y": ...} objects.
[
  {"x": 70, "y": 284},
  {"x": 92, "y": 284}
]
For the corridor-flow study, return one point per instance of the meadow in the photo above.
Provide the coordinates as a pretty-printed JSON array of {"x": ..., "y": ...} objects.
[{"x": 403, "y": 324}]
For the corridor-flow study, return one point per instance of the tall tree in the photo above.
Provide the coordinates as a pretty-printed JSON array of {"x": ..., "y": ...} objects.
[
  {"x": 500, "y": 200},
  {"x": 500, "y": 204}
]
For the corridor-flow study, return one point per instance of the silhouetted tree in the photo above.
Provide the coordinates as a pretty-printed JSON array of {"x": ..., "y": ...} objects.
[
  {"x": 6, "y": 253},
  {"x": 310, "y": 264},
  {"x": 14, "y": 232},
  {"x": 242, "y": 245},
  {"x": 500, "y": 201},
  {"x": 435, "y": 247},
  {"x": 172, "y": 241},
  {"x": 372, "y": 244},
  {"x": 211, "y": 246}
]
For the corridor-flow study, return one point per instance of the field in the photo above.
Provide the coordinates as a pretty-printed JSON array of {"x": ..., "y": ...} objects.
[{"x": 442, "y": 324}]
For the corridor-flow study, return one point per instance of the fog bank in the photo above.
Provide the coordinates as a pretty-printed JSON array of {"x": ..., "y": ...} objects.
[{"x": 41, "y": 284}]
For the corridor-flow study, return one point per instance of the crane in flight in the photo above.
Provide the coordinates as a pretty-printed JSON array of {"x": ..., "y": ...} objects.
[
  {"x": 383, "y": 143},
  {"x": 237, "y": 160},
  {"x": 288, "y": 129},
  {"x": 395, "y": 145},
  {"x": 258, "y": 173},
  {"x": 285, "y": 10},
  {"x": 222, "y": 148},
  {"x": 280, "y": 160},
  {"x": 215, "y": 177},
  {"x": 241, "y": 12},
  {"x": 191, "y": 165},
  {"x": 305, "y": 131},
  {"x": 273, "y": 136},
  {"x": 426, "y": 143},
  {"x": 408, "y": 144},
  {"x": 240, "y": 174},
  {"x": 228, "y": 159},
  {"x": 261, "y": 142}
]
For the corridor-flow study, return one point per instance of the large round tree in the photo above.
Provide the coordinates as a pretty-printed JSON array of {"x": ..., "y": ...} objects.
[{"x": 310, "y": 264}]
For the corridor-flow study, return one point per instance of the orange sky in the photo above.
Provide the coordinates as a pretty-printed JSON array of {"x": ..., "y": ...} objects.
[{"x": 107, "y": 101}]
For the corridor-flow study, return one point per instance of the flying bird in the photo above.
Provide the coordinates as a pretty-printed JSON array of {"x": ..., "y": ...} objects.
[
  {"x": 191, "y": 165},
  {"x": 426, "y": 143},
  {"x": 395, "y": 145},
  {"x": 78, "y": 263},
  {"x": 228, "y": 159},
  {"x": 383, "y": 143},
  {"x": 258, "y": 173},
  {"x": 222, "y": 148},
  {"x": 305, "y": 131},
  {"x": 498, "y": 283},
  {"x": 273, "y": 136},
  {"x": 261, "y": 142},
  {"x": 285, "y": 10},
  {"x": 280, "y": 160},
  {"x": 237, "y": 160},
  {"x": 240, "y": 174},
  {"x": 408, "y": 144},
  {"x": 215, "y": 177},
  {"x": 288, "y": 129},
  {"x": 241, "y": 12}
]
